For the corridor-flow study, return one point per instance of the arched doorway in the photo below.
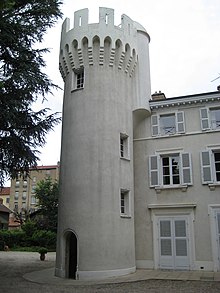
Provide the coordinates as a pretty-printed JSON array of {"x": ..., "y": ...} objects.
[{"x": 71, "y": 255}]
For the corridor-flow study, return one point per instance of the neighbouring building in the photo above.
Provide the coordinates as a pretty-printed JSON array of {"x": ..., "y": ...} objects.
[
  {"x": 4, "y": 216},
  {"x": 22, "y": 194},
  {"x": 144, "y": 190},
  {"x": 5, "y": 195}
]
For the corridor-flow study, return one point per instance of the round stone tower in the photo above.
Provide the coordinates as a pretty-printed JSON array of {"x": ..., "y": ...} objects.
[{"x": 106, "y": 73}]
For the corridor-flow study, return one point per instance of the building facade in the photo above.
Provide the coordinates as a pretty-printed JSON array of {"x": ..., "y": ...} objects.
[
  {"x": 177, "y": 181},
  {"x": 4, "y": 216},
  {"x": 5, "y": 195},
  {"x": 144, "y": 190},
  {"x": 22, "y": 191}
]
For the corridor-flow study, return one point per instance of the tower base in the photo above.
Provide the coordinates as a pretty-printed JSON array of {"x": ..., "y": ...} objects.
[{"x": 97, "y": 275}]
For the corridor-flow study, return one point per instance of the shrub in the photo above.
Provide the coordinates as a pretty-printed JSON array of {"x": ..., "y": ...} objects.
[
  {"x": 44, "y": 238},
  {"x": 29, "y": 228},
  {"x": 2, "y": 245},
  {"x": 28, "y": 238},
  {"x": 13, "y": 238},
  {"x": 42, "y": 250}
]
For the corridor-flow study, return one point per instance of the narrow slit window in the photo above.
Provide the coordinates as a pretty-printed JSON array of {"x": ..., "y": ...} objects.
[
  {"x": 124, "y": 146},
  {"x": 124, "y": 203},
  {"x": 78, "y": 79}
]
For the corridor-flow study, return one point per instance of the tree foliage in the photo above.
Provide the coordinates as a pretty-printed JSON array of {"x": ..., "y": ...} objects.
[
  {"x": 47, "y": 193},
  {"x": 23, "y": 24}
]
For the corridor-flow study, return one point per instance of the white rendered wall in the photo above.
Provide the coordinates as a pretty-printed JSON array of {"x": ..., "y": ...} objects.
[
  {"x": 92, "y": 172},
  {"x": 197, "y": 200}
]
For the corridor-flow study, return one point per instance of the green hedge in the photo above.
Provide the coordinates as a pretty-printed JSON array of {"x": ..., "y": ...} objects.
[
  {"x": 12, "y": 238},
  {"x": 23, "y": 239},
  {"x": 44, "y": 238}
]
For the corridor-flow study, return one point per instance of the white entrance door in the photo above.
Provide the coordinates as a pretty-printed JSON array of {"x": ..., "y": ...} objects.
[
  {"x": 173, "y": 243},
  {"x": 218, "y": 236}
]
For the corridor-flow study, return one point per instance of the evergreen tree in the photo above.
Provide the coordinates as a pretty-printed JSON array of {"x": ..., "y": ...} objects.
[
  {"x": 47, "y": 193},
  {"x": 23, "y": 24}
]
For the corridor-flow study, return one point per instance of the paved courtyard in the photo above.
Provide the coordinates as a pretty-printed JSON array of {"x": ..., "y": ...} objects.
[{"x": 23, "y": 272}]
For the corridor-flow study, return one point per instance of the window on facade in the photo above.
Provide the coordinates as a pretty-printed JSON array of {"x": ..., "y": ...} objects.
[
  {"x": 210, "y": 162},
  {"x": 48, "y": 173},
  {"x": 16, "y": 195},
  {"x": 7, "y": 200},
  {"x": 24, "y": 196},
  {"x": 215, "y": 118},
  {"x": 171, "y": 174},
  {"x": 124, "y": 146},
  {"x": 167, "y": 124},
  {"x": 33, "y": 199},
  {"x": 170, "y": 169},
  {"x": 33, "y": 188},
  {"x": 25, "y": 183},
  {"x": 78, "y": 79},
  {"x": 210, "y": 118},
  {"x": 17, "y": 183},
  {"x": 124, "y": 203},
  {"x": 217, "y": 165}
]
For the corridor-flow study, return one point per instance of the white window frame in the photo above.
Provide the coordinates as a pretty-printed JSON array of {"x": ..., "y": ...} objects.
[
  {"x": 208, "y": 169},
  {"x": 170, "y": 167},
  {"x": 179, "y": 127},
  {"x": 125, "y": 205},
  {"x": 156, "y": 170},
  {"x": 206, "y": 119},
  {"x": 124, "y": 146}
]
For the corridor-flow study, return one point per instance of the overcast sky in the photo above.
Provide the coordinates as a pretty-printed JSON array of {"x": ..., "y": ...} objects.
[{"x": 184, "y": 48}]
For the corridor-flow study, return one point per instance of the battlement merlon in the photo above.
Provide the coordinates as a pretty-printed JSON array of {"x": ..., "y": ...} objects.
[{"x": 126, "y": 31}]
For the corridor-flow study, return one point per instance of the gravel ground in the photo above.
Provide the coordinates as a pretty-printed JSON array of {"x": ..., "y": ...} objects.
[{"x": 14, "y": 266}]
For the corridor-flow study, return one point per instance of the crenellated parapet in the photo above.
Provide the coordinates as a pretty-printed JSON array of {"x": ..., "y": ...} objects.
[{"x": 102, "y": 44}]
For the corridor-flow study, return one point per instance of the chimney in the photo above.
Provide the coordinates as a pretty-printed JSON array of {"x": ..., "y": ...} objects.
[{"x": 157, "y": 96}]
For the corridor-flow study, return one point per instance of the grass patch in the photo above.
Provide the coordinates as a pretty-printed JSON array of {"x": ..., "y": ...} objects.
[{"x": 29, "y": 249}]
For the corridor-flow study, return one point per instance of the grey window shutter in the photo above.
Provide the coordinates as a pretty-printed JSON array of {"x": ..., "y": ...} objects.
[
  {"x": 206, "y": 167},
  {"x": 186, "y": 168},
  {"x": 180, "y": 122},
  {"x": 204, "y": 118},
  {"x": 154, "y": 171},
  {"x": 154, "y": 125}
]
